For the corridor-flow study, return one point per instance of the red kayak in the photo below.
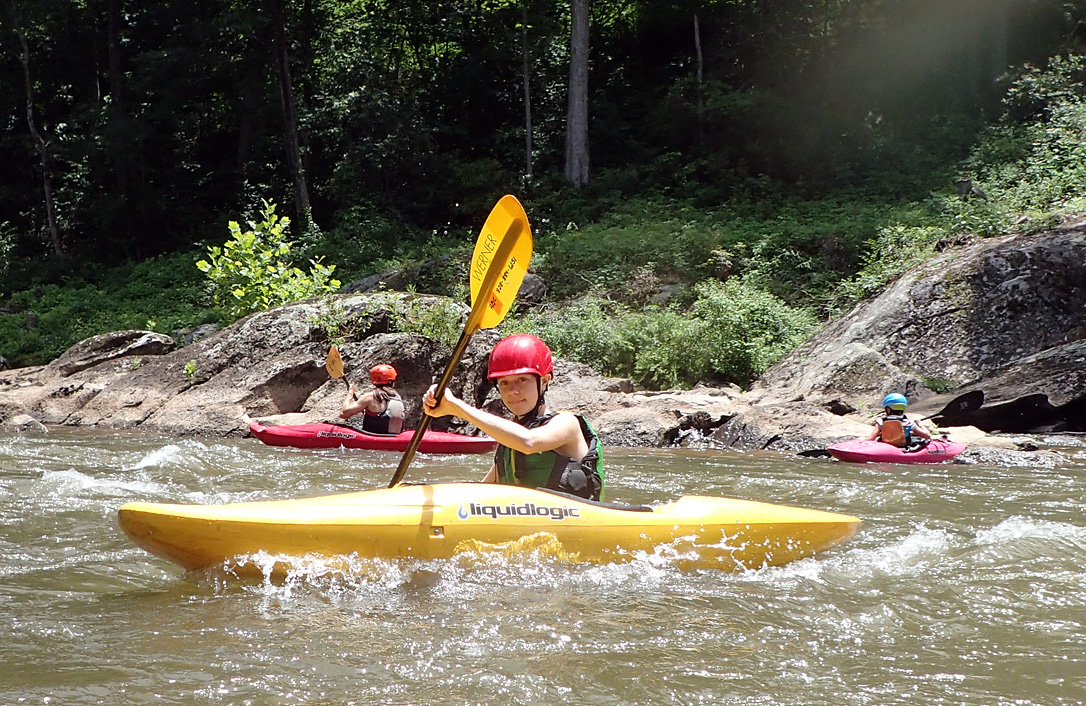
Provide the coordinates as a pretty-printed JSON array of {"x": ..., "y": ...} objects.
[
  {"x": 323, "y": 435},
  {"x": 864, "y": 451}
]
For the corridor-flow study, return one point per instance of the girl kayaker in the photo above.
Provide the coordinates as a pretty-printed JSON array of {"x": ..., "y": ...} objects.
[
  {"x": 381, "y": 407},
  {"x": 895, "y": 427},
  {"x": 538, "y": 448}
]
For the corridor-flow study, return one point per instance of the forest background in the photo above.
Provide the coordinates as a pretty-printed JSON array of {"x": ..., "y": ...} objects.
[{"x": 707, "y": 181}]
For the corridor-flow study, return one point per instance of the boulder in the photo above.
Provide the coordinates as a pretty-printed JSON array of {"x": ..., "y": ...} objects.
[
  {"x": 1004, "y": 315},
  {"x": 109, "y": 346}
]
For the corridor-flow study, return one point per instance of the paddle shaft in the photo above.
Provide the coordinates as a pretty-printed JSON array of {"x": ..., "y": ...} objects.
[
  {"x": 494, "y": 271},
  {"x": 424, "y": 423}
]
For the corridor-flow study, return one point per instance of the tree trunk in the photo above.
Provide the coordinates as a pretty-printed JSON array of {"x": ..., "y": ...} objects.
[
  {"x": 290, "y": 119},
  {"x": 577, "y": 112},
  {"x": 117, "y": 98},
  {"x": 43, "y": 150},
  {"x": 527, "y": 93},
  {"x": 700, "y": 100},
  {"x": 248, "y": 97}
]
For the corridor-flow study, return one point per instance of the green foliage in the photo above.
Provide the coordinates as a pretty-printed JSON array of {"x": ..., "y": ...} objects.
[
  {"x": 744, "y": 329},
  {"x": 796, "y": 249},
  {"x": 190, "y": 370},
  {"x": 732, "y": 333},
  {"x": 252, "y": 270},
  {"x": 896, "y": 249},
  {"x": 162, "y": 294},
  {"x": 1031, "y": 168},
  {"x": 364, "y": 240},
  {"x": 440, "y": 319},
  {"x": 1034, "y": 160},
  {"x": 939, "y": 385},
  {"x": 587, "y": 330},
  {"x": 7, "y": 244},
  {"x": 334, "y": 321},
  {"x": 815, "y": 128}
]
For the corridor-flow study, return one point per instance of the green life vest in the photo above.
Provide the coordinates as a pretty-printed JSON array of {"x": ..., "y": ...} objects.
[{"x": 550, "y": 469}]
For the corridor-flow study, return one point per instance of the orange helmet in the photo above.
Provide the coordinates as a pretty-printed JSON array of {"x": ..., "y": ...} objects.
[
  {"x": 520, "y": 353},
  {"x": 382, "y": 374}
]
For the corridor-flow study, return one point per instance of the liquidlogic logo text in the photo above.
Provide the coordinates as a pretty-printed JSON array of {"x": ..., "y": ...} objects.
[
  {"x": 554, "y": 512},
  {"x": 337, "y": 434}
]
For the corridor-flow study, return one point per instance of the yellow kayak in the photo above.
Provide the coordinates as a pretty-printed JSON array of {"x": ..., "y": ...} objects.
[{"x": 438, "y": 521}]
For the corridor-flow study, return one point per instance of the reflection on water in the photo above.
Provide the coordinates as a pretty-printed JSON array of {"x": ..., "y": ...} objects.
[{"x": 964, "y": 586}]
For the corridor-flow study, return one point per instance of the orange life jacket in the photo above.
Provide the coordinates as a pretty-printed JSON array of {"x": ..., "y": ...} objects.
[{"x": 892, "y": 431}]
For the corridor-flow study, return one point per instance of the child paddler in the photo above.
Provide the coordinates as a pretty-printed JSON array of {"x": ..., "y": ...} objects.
[
  {"x": 895, "y": 427},
  {"x": 538, "y": 448}
]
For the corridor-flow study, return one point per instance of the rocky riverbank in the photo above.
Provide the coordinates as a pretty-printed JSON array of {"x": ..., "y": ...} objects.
[{"x": 1005, "y": 316}]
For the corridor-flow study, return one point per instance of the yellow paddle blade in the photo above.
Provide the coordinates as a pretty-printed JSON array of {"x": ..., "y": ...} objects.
[
  {"x": 334, "y": 363},
  {"x": 500, "y": 261}
]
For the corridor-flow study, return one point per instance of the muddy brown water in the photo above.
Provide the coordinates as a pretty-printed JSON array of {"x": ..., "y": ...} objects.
[{"x": 965, "y": 585}]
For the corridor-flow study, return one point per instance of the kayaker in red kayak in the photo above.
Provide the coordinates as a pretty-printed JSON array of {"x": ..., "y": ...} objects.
[
  {"x": 381, "y": 407},
  {"x": 895, "y": 427},
  {"x": 538, "y": 448}
]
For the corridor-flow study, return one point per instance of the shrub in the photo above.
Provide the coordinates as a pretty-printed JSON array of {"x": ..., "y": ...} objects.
[
  {"x": 252, "y": 270},
  {"x": 1035, "y": 158},
  {"x": 584, "y": 330},
  {"x": 896, "y": 249},
  {"x": 161, "y": 294},
  {"x": 742, "y": 329},
  {"x": 440, "y": 319},
  {"x": 733, "y": 332}
]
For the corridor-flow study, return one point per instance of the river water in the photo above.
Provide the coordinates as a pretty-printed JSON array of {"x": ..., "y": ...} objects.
[{"x": 965, "y": 585}]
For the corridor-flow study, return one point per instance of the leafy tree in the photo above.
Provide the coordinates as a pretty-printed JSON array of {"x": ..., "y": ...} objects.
[{"x": 252, "y": 270}]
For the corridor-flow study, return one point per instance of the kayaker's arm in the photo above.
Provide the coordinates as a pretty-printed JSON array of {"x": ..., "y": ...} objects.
[
  {"x": 560, "y": 434},
  {"x": 353, "y": 405},
  {"x": 919, "y": 430}
]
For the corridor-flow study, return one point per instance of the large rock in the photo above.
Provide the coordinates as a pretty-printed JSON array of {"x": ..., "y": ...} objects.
[
  {"x": 109, "y": 346},
  {"x": 1005, "y": 315}
]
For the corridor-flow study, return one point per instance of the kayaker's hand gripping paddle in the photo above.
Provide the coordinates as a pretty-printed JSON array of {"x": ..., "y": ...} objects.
[{"x": 498, "y": 265}]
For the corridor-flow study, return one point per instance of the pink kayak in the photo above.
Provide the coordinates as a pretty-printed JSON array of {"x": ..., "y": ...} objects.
[
  {"x": 323, "y": 435},
  {"x": 863, "y": 451}
]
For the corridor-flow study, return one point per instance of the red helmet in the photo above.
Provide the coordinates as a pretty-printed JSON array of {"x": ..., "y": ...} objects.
[
  {"x": 382, "y": 374},
  {"x": 520, "y": 353}
]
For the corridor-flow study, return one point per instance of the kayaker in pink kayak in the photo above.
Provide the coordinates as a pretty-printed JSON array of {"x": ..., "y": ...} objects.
[
  {"x": 895, "y": 427},
  {"x": 381, "y": 407},
  {"x": 538, "y": 448}
]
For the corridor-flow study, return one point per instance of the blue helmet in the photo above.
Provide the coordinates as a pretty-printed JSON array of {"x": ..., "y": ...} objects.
[{"x": 895, "y": 401}]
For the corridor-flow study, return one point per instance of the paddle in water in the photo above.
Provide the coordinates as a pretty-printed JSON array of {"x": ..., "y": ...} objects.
[
  {"x": 969, "y": 402},
  {"x": 498, "y": 265},
  {"x": 334, "y": 365}
]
